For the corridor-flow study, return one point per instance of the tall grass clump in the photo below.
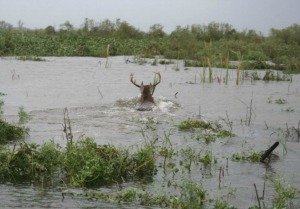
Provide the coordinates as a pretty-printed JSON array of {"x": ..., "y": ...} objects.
[
  {"x": 210, "y": 70},
  {"x": 23, "y": 116},
  {"x": 284, "y": 193},
  {"x": 10, "y": 132},
  {"x": 227, "y": 69},
  {"x": 83, "y": 164}
]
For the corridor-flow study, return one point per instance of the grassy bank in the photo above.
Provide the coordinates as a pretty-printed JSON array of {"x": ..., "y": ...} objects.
[{"x": 212, "y": 45}]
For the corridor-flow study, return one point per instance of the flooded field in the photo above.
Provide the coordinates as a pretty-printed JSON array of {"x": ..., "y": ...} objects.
[{"x": 102, "y": 104}]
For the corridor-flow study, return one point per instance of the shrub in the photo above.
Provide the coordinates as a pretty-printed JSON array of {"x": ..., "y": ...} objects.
[{"x": 9, "y": 132}]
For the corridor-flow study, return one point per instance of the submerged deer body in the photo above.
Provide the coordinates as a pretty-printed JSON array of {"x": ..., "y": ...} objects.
[{"x": 146, "y": 100}]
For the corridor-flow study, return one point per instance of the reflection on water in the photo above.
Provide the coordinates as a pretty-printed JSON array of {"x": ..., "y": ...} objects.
[{"x": 102, "y": 104}]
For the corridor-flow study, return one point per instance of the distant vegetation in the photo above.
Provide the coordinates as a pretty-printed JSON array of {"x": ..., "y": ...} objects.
[{"x": 214, "y": 44}]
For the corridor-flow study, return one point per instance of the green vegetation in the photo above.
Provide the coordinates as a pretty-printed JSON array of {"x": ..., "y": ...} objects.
[
  {"x": 209, "y": 131},
  {"x": 84, "y": 163},
  {"x": 243, "y": 156},
  {"x": 212, "y": 45},
  {"x": 191, "y": 195},
  {"x": 271, "y": 76},
  {"x": 23, "y": 116},
  {"x": 280, "y": 101},
  {"x": 284, "y": 192},
  {"x": 32, "y": 58},
  {"x": 10, "y": 132}
]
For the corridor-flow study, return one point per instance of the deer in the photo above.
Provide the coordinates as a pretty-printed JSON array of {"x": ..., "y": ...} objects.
[{"x": 146, "y": 99}]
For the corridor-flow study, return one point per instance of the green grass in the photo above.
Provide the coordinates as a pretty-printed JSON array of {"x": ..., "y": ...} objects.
[
  {"x": 84, "y": 163},
  {"x": 10, "y": 132},
  {"x": 207, "y": 130},
  {"x": 284, "y": 192},
  {"x": 244, "y": 156},
  {"x": 23, "y": 116},
  {"x": 280, "y": 101},
  {"x": 197, "y": 46}
]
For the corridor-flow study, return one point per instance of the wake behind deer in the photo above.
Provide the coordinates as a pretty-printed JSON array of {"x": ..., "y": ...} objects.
[{"x": 146, "y": 100}]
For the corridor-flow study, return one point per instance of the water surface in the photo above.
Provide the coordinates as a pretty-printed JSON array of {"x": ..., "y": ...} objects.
[{"x": 102, "y": 104}]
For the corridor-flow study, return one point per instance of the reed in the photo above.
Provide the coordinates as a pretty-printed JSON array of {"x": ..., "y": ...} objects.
[
  {"x": 107, "y": 65},
  {"x": 227, "y": 68},
  {"x": 203, "y": 77},
  {"x": 238, "y": 67},
  {"x": 210, "y": 70}
]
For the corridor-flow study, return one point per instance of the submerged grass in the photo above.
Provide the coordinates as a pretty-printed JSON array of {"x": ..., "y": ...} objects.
[
  {"x": 30, "y": 58},
  {"x": 191, "y": 195},
  {"x": 244, "y": 156},
  {"x": 209, "y": 131}
]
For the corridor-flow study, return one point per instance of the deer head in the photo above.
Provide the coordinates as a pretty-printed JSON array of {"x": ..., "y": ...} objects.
[{"x": 146, "y": 90}]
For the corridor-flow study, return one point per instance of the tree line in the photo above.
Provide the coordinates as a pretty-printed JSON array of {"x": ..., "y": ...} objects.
[{"x": 217, "y": 41}]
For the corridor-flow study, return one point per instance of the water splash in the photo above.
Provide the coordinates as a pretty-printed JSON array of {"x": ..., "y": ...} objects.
[{"x": 162, "y": 104}]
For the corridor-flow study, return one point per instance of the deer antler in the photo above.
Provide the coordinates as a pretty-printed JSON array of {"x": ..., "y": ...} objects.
[
  {"x": 133, "y": 81},
  {"x": 159, "y": 79}
]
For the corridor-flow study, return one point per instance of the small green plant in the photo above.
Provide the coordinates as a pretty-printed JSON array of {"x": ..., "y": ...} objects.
[
  {"x": 284, "y": 192},
  {"x": 270, "y": 99},
  {"x": 9, "y": 132},
  {"x": 23, "y": 116},
  {"x": 243, "y": 156},
  {"x": 31, "y": 58},
  {"x": 290, "y": 109},
  {"x": 209, "y": 131},
  {"x": 271, "y": 76},
  {"x": 255, "y": 76},
  {"x": 280, "y": 101},
  {"x": 190, "y": 124},
  {"x": 221, "y": 204}
]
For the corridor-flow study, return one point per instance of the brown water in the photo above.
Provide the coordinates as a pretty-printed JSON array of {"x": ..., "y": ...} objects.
[{"x": 101, "y": 102}]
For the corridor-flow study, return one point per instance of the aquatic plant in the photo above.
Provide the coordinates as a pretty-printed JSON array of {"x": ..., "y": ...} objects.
[
  {"x": 280, "y": 101},
  {"x": 31, "y": 58},
  {"x": 245, "y": 156},
  {"x": 284, "y": 192},
  {"x": 23, "y": 116},
  {"x": 290, "y": 109},
  {"x": 271, "y": 76},
  {"x": 190, "y": 124},
  {"x": 255, "y": 76},
  {"x": 9, "y": 132},
  {"x": 84, "y": 163},
  {"x": 191, "y": 195},
  {"x": 209, "y": 131}
]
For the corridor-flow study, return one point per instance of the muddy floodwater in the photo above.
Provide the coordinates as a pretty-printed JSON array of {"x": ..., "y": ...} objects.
[{"x": 102, "y": 104}]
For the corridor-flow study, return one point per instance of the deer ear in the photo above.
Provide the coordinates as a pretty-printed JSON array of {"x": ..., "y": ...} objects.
[{"x": 142, "y": 87}]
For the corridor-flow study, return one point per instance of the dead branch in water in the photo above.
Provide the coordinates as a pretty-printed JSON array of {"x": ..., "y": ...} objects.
[{"x": 269, "y": 151}]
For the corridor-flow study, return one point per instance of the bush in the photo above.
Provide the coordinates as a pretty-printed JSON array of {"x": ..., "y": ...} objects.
[
  {"x": 10, "y": 132},
  {"x": 83, "y": 164}
]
